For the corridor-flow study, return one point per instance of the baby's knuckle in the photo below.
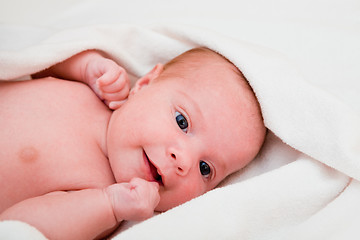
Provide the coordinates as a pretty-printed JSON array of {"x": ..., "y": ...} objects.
[
  {"x": 143, "y": 206},
  {"x": 122, "y": 70},
  {"x": 144, "y": 212}
]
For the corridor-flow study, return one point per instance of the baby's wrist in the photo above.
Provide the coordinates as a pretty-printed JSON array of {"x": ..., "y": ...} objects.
[
  {"x": 88, "y": 66},
  {"x": 110, "y": 198}
]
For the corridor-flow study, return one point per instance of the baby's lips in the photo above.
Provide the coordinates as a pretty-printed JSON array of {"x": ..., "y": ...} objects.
[{"x": 163, "y": 177}]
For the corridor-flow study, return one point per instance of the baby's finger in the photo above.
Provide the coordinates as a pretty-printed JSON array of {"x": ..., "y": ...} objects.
[
  {"x": 143, "y": 182},
  {"x": 156, "y": 185},
  {"x": 121, "y": 82},
  {"x": 113, "y": 105},
  {"x": 116, "y": 104},
  {"x": 156, "y": 194},
  {"x": 108, "y": 78},
  {"x": 118, "y": 96}
]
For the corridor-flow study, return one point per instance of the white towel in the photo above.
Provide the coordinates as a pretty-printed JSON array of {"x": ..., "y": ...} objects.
[{"x": 304, "y": 184}]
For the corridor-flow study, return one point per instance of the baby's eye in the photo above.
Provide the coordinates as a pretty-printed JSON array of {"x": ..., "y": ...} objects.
[
  {"x": 181, "y": 121},
  {"x": 205, "y": 169}
]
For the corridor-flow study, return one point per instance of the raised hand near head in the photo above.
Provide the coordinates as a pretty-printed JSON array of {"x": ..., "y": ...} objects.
[{"x": 108, "y": 80}]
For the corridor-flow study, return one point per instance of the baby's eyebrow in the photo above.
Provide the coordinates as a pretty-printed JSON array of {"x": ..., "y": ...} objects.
[{"x": 194, "y": 104}]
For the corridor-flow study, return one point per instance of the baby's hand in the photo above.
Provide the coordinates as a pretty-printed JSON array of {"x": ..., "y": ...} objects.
[
  {"x": 108, "y": 80},
  {"x": 135, "y": 200}
]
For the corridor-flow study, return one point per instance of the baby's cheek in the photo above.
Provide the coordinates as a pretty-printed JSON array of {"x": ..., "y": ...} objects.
[{"x": 175, "y": 197}]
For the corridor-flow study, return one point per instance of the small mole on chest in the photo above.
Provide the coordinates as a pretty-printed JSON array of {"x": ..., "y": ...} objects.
[{"x": 28, "y": 154}]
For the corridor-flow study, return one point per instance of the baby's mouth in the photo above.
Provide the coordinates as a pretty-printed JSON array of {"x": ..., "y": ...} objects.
[{"x": 154, "y": 172}]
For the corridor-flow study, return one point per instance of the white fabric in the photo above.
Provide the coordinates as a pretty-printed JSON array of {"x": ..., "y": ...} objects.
[
  {"x": 304, "y": 184},
  {"x": 15, "y": 230}
]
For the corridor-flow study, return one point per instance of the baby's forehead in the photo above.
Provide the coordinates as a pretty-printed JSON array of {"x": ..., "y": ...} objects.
[
  {"x": 201, "y": 58},
  {"x": 198, "y": 64}
]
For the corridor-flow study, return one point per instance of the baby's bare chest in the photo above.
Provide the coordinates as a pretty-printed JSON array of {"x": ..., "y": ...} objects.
[{"x": 52, "y": 139}]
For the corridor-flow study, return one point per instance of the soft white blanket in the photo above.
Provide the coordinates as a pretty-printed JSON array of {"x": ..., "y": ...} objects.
[{"x": 303, "y": 185}]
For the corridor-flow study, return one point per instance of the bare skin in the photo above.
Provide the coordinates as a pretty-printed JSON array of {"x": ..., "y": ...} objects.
[
  {"x": 37, "y": 160},
  {"x": 75, "y": 169},
  {"x": 53, "y": 153},
  {"x": 50, "y": 157}
]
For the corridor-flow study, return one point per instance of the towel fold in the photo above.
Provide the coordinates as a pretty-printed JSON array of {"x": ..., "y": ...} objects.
[{"x": 304, "y": 181}]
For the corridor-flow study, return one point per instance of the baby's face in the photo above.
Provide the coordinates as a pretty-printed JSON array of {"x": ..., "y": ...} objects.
[{"x": 186, "y": 132}]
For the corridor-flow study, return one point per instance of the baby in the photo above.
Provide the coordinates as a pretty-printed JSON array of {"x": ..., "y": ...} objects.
[{"x": 75, "y": 169}]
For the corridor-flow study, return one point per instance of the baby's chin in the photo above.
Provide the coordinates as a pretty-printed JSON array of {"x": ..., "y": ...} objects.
[
  {"x": 165, "y": 206},
  {"x": 160, "y": 208}
]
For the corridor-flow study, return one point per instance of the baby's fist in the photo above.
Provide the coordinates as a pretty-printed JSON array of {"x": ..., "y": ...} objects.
[
  {"x": 135, "y": 200},
  {"x": 108, "y": 80}
]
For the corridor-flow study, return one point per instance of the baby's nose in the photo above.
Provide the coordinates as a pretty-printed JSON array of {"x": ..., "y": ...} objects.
[{"x": 182, "y": 163}]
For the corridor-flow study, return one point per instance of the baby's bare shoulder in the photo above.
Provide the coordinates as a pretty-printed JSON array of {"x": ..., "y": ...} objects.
[
  {"x": 43, "y": 87},
  {"x": 48, "y": 93}
]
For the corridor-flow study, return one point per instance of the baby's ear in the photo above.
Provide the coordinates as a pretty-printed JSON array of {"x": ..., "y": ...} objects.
[{"x": 147, "y": 79}]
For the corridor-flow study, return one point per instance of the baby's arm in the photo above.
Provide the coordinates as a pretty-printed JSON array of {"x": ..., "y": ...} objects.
[
  {"x": 107, "y": 79},
  {"x": 89, "y": 213}
]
